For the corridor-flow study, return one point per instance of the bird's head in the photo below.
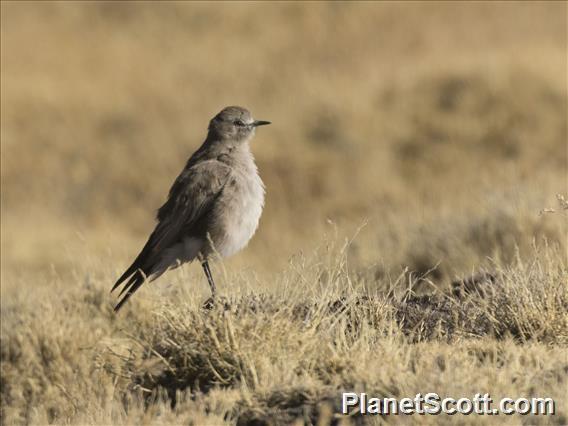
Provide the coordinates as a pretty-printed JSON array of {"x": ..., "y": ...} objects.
[{"x": 234, "y": 123}]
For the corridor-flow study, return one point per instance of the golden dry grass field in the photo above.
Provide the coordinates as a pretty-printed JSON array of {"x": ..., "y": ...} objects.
[{"x": 413, "y": 145}]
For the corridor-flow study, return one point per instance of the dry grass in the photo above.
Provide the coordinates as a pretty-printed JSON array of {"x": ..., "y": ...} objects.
[
  {"x": 441, "y": 126},
  {"x": 267, "y": 358}
]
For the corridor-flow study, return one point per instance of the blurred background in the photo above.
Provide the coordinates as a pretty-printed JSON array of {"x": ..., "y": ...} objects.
[{"x": 441, "y": 126}]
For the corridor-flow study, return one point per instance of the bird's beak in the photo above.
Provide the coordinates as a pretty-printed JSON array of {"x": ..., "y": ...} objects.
[{"x": 257, "y": 123}]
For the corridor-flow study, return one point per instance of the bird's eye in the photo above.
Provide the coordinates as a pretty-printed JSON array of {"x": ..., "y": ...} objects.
[{"x": 239, "y": 123}]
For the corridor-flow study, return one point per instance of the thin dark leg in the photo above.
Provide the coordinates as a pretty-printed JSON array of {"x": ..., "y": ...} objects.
[{"x": 209, "y": 277}]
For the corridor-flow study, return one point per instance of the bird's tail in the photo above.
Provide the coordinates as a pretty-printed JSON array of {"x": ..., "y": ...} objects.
[
  {"x": 136, "y": 275},
  {"x": 133, "y": 284}
]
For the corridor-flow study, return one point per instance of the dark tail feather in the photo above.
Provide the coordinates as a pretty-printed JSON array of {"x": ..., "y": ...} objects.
[
  {"x": 124, "y": 276},
  {"x": 130, "y": 288},
  {"x": 141, "y": 268},
  {"x": 136, "y": 265}
]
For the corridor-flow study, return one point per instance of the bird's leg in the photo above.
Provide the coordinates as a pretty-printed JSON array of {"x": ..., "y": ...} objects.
[{"x": 205, "y": 265}]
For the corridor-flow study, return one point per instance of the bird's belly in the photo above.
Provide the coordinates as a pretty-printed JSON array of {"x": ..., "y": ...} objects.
[{"x": 238, "y": 216}]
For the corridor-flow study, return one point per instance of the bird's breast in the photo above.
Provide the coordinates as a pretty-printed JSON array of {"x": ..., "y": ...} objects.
[{"x": 238, "y": 212}]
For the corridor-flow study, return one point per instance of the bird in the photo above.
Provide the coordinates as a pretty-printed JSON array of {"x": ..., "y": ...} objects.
[{"x": 213, "y": 206}]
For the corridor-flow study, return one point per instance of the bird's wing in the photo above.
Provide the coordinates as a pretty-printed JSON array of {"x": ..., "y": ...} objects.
[{"x": 192, "y": 195}]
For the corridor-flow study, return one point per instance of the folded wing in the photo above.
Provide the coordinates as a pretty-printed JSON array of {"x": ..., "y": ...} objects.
[{"x": 191, "y": 197}]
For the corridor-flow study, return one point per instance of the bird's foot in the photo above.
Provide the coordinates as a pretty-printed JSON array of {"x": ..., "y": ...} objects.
[
  {"x": 214, "y": 302},
  {"x": 209, "y": 304}
]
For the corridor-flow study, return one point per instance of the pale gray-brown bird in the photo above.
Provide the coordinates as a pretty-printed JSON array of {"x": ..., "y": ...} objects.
[{"x": 213, "y": 206}]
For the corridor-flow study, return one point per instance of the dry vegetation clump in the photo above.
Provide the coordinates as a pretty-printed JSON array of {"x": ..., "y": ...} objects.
[
  {"x": 285, "y": 355},
  {"x": 496, "y": 304},
  {"x": 291, "y": 358}
]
